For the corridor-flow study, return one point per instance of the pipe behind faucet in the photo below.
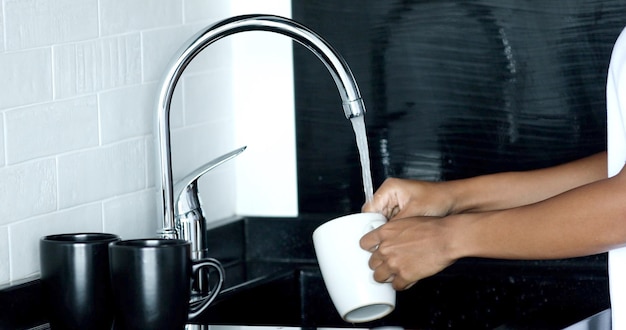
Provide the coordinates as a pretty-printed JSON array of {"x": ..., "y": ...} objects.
[{"x": 352, "y": 102}]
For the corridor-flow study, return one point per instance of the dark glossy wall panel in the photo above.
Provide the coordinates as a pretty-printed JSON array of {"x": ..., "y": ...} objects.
[{"x": 453, "y": 89}]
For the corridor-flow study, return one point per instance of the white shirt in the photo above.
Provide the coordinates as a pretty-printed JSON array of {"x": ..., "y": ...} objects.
[{"x": 616, "y": 144}]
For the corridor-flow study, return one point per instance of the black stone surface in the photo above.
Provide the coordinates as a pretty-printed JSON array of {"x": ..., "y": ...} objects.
[{"x": 272, "y": 279}]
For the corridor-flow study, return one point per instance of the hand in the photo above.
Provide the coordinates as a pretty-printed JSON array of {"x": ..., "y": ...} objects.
[
  {"x": 402, "y": 198},
  {"x": 407, "y": 250}
]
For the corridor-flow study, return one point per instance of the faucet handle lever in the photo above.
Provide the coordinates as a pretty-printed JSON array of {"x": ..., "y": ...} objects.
[{"x": 189, "y": 181}]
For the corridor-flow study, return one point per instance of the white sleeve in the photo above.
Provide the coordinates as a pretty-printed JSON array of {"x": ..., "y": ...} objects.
[{"x": 616, "y": 147}]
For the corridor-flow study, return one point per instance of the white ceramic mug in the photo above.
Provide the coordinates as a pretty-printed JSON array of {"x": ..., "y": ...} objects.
[{"x": 344, "y": 265}]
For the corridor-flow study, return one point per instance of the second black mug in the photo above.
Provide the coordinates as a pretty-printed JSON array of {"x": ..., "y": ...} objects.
[{"x": 151, "y": 281}]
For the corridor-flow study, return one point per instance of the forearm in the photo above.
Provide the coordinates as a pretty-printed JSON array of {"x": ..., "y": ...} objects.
[
  {"x": 512, "y": 189},
  {"x": 583, "y": 221}
]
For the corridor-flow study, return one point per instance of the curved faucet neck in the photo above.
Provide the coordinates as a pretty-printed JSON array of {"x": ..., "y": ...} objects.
[{"x": 342, "y": 75}]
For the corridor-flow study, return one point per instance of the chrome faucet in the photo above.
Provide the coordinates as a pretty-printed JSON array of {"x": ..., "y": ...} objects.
[{"x": 182, "y": 215}]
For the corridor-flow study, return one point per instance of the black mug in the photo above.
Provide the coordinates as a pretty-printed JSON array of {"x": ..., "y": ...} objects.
[
  {"x": 75, "y": 280},
  {"x": 152, "y": 279}
]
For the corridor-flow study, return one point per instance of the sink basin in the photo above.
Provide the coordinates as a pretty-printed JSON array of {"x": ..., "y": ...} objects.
[
  {"x": 273, "y": 280},
  {"x": 295, "y": 298},
  {"x": 454, "y": 300}
]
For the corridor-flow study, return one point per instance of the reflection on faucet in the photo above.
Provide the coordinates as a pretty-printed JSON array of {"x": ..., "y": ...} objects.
[{"x": 351, "y": 98}]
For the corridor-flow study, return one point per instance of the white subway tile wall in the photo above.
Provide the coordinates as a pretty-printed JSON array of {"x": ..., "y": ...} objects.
[
  {"x": 123, "y": 16},
  {"x": 97, "y": 65},
  {"x": 24, "y": 235},
  {"x": 126, "y": 109},
  {"x": 1, "y": 142},
  {"x": 1, "y": 31},
  {"x": 27, "y": 190},
  {"x": 26, "y": 77},
  {"x": 4, "y": 250},
  {"x": 127, "y": 214},
  {"x": 36, "y": 23},
  {"x": 51, "y": 128},
  {"x": 78, "y": 84}
]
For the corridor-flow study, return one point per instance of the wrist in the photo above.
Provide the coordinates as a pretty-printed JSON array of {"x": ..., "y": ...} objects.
[
  {"x": 458, "y": 193},
  {"x": 463, "y": 236}
]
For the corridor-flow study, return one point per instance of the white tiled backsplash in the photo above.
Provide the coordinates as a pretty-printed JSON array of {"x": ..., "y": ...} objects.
[{"x": 78, "y": 82}]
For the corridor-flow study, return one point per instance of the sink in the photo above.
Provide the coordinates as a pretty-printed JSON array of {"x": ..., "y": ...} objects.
[
  {"x": 454, "y": 300},
  {"x": 272, "y": 279},
  {"x": 294, "y": 298}
]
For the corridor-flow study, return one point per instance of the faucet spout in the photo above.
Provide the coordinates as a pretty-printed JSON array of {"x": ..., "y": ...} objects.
[{"x": 352, "y": 102}]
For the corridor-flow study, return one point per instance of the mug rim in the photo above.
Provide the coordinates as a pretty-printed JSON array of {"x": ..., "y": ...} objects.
[
  {"x": 80, "y": 238},
  {"x": 388, "y": 308},
  {"x": 150, "y": 243},
  {"x": 347, "y": 217}
]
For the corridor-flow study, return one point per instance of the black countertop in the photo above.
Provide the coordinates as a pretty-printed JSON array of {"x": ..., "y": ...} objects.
[{"x": 272, "y": 279}]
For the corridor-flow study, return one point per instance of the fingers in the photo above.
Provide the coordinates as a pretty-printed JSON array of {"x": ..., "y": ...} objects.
[
  {"x": 382, "y": 271},
  {"x": 393, "y": 212},
  {"x": 370, "y": 241},
  {"x": 385, "y": 274},
  {"x": 376, "y": 205},
  {"x": 387, "y": 200},
  {"x": 406, "y": 250},
  {"x": 381, "y": 202},
  {"x": 388, "y": 267}
]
